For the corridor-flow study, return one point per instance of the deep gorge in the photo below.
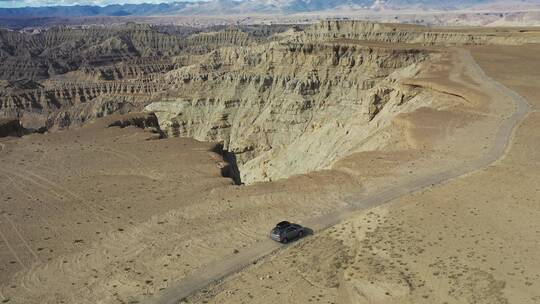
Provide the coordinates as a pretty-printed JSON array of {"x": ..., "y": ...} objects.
[{"x": 282, "y": 104}]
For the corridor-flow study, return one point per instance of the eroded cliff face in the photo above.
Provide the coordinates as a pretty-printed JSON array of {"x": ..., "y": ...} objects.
[
  {"x": 282, "y": 109},
  {"x": 67, "y": 76},
  {"x": 412, "y": 34},
  {"x": 74, "y": 103}
]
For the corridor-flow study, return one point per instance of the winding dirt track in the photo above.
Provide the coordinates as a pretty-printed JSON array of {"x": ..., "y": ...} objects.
[{"x": 218, "y": 270}]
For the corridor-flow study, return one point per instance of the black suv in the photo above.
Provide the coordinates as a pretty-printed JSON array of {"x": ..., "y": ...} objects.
[{"x": 285, "y": 231}]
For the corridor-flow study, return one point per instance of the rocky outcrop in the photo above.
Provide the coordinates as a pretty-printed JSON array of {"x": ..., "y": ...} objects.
[
  {"x": 223, "y": 38},
  {"x": 139, "y": 120},
  {"x": 66, "y": 104},
  {"x": 135, "y": 68},
  {"x": 285, "y": 109}
]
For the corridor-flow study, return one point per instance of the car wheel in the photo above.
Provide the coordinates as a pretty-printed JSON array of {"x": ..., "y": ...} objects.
[{"x": 285, "y": 241}]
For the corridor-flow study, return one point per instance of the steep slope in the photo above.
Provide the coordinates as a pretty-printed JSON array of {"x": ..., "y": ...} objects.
[{"x": 270, "y": 104}]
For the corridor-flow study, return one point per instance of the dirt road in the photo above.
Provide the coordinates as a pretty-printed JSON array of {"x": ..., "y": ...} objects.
[{"x": 216, "y": 271}]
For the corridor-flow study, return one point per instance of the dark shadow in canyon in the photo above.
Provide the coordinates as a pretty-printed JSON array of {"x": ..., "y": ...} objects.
[
  {"x": 231, "y": 169},
  {"x": 13, "y": 128},
  {"x": 145, "y": 121}
]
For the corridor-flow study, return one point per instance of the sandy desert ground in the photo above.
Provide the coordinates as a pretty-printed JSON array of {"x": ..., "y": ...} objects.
[
  {"x": 471, "y": 240},
  {"x": 102, "y": 214}
]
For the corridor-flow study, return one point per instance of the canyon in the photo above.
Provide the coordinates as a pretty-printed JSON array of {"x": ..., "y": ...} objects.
[
  {"x": 267, "y": 99},
  {"x": 147, "y": 131}
]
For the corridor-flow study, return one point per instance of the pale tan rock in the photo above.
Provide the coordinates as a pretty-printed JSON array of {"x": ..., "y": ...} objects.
[{"x": 286, "y": 109}]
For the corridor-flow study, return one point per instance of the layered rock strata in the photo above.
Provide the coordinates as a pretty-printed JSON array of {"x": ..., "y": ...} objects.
[
  {"x": 413, "y": 34},
  {"x": 284, "y": 108},
  {"x": 279, "y": 102}
]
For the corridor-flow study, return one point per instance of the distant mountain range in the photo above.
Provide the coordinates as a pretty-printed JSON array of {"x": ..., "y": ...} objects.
[{"x": 222, "y": 7}]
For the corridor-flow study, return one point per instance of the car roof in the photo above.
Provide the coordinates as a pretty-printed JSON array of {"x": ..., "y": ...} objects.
[{"x": 283, "y": 224}]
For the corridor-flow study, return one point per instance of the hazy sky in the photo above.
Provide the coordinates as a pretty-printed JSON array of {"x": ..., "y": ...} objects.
[{"x": 21, "y": 3}]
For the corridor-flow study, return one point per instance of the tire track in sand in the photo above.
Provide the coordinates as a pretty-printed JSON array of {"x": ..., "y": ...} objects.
[
  {"x": 136, "y": 162},
  {"x": 23, "y": 240},
  {"x": 31, "y": 199},
  {"x": 10, "y": 248},
  {"x": 55, "y": 190}
]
